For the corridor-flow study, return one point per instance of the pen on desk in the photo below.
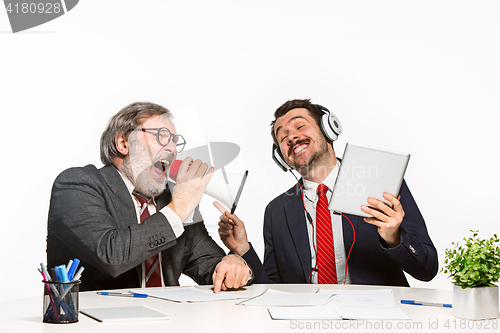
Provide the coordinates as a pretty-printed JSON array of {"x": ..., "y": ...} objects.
[
  {"x": 122, "y": 294},
  {"x": 411, "y": 302}
]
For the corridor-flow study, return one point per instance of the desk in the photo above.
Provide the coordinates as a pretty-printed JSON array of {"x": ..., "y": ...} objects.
[{"x": 25, "y": 315}]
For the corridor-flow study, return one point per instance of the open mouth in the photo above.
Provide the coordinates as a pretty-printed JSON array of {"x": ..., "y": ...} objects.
[
  {"x": 161, "y": 166},
  {"x": 298, "y": 148}
]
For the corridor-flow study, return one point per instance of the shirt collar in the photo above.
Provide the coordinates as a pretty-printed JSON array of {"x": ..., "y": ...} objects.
[
  {"x": 310, "y": 188},
  {"x": 128, "y": 183},
  {"x": 131, "y": 187}
]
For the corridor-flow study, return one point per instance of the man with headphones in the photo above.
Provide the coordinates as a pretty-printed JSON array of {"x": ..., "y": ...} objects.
[{"x": 307, "y": 243}]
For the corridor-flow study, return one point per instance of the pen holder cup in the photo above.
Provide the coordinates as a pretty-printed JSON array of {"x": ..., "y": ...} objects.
[{"x": 60, "y": 302}]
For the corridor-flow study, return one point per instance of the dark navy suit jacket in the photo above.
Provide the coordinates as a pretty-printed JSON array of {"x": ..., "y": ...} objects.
[{"x": 287, "y": 257}]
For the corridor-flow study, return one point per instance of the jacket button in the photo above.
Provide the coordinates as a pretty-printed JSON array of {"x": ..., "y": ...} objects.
[
  {"x": 151, "y": 245},
  {"x": 162, "y": 240}
]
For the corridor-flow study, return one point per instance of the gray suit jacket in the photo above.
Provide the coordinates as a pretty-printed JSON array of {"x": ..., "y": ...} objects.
[{"x": 92, "y": 217}]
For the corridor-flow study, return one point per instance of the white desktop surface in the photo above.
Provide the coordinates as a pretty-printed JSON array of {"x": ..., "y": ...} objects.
[{"x": 25, "y": 315}]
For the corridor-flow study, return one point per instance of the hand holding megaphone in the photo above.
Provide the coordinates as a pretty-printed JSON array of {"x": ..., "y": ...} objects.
[
  {"x": 223, "y": 186},
  {"x": 174, "y": 169},
  {"x": 191, "y": 180}
]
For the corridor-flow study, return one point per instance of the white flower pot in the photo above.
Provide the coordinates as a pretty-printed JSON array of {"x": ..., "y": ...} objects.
[{"x": 475, "y": 303}]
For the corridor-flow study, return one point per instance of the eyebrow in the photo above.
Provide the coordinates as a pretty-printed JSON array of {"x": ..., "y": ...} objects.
[{"x": 291, "y": 120}]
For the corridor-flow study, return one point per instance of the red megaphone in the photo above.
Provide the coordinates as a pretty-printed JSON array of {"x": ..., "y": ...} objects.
[{"x": 174, "y": 168}]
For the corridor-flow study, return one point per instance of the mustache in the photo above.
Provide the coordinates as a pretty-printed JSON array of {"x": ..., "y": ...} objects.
[
  {"x": 170, "y": 157},
  {"x": 298, "y": 142}
]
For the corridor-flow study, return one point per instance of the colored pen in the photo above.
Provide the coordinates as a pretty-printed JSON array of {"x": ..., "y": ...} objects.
[
  {"x": 68, "y": 266},
  {"x": 52, "y": 307},
  {"x": 411, "y": 302},
  {"x": 71, "y": 270},
  {"x": 78, "y": 274},
  {"x": 58, "y": 274},
  {"x": 68, "y": 289},
  {"x": 44, "y": 270},
  {"x": 121, "y": 294},
  {"x": 48, "y": 292},
  {"x": 64, "y": 273},
  {"x": 75, "y": 278},
  {"x": 47, "y": 278},
  {"x": 58, "y": 297}
]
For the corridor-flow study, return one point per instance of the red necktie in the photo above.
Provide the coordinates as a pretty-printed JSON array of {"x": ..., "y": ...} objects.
[
  {"x": 327, "y": 272},
  {"x": 153, "y": 274}
]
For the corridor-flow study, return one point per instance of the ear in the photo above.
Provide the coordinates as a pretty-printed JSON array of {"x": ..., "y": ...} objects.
[{"x": 121, "y": 144}]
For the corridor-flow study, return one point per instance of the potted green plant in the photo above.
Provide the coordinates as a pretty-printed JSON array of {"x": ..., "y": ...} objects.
[{"x": 474, "y": 268}]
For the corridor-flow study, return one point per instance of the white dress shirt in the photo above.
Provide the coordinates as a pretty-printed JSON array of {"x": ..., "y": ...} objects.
[{"x": 310, "y": 201}]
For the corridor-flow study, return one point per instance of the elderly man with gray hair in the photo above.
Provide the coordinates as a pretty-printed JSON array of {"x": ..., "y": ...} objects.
[{"x": 127, "y": 224}]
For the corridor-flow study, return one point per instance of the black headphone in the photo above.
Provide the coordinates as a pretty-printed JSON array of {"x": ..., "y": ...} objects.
[{"x": 330, "y": 127}]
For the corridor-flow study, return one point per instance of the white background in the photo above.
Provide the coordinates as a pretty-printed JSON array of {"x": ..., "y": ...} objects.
[{"x": 416, "y": 76}]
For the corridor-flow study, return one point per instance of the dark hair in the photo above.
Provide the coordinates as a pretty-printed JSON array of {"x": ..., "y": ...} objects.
[
  {"x": 313, "y": 109},
  {"x": 127, "y": 119}
]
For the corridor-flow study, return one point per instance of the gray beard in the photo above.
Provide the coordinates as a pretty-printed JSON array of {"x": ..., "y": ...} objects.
[{"x": 143, "y": 182}]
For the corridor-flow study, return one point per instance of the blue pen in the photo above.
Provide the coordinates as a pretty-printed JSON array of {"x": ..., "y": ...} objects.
[
  {"x": 121, "y": 294},
  {"x": 411, "y": 302},
  {"x": 58, "y": 274},
  {"x": 72, "y": 269},
  {"x": 68, "y": 266},
  {"x": 64, "y": 273}
]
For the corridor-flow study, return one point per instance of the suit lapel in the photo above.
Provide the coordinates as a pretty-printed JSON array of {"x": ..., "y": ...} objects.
[
  {"x": 296, "y": 222},
  {"x": 164, "y": 199},
  {"x": 114, "y": 180},
  {"x": 121, "y": 198}
]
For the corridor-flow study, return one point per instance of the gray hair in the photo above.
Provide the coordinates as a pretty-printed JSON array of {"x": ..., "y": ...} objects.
[{"x": 126, "y": 120}]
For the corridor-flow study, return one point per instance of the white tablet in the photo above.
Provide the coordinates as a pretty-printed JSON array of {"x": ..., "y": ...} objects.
[{"x": 366, "y": 172}]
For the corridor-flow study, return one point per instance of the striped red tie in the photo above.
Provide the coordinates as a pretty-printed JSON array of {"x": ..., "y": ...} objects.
[
  {"x": 153, "y": 274},
  {"x": 327, "y": 272}
]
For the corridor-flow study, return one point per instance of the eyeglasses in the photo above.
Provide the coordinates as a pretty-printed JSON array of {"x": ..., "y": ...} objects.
[{"x": 164, "y": 136}]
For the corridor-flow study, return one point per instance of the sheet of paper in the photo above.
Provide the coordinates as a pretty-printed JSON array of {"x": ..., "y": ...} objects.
[
  {"x": 273, "y": 297},
  {"x": 304, "y": 312},
  {"x": 190, "y": 294},
  {"x": 382, "y": 297},
  {"x": 126, "y": 313},
  {"x": 347, "y": 312}
]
